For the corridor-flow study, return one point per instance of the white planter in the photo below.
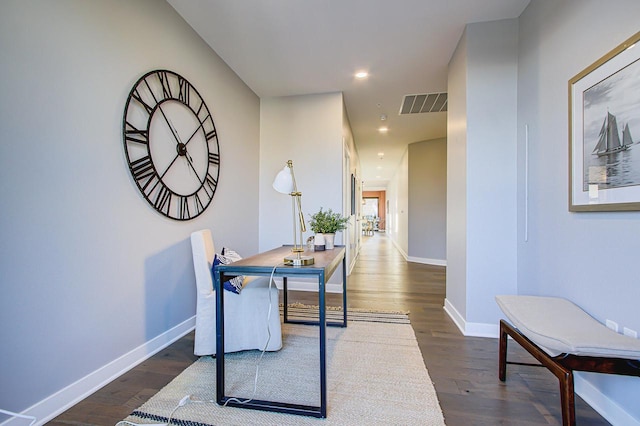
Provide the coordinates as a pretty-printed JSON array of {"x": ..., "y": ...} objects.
[
  {"x": 328, "y": 241},
  {"x": 319, "y": 242}
]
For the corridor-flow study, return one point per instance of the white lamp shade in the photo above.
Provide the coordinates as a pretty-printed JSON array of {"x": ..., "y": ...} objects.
[{"x": 283, "y": 183}]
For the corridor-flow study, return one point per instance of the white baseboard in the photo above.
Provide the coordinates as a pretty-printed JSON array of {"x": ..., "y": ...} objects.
[
  {"x": 62, "y": 400},
  {"x": 453, "y": 313},
  {"x": 397, "y": 246},
  {"x": 470, "y": 329},
  {"x": 426, "y": 261},
  {"x": 423, "y": 260},
  {"x": 600, "y": 402}
]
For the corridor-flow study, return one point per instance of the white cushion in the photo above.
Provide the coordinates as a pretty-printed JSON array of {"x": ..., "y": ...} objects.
[{"x": 559, "y": 326}]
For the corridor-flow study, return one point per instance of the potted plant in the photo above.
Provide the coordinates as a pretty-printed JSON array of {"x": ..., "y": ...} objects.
[{"x": 325, "y": 224}]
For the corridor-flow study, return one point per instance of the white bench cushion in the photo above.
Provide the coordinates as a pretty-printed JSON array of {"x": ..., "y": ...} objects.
[{"x": 558, "y": 326}]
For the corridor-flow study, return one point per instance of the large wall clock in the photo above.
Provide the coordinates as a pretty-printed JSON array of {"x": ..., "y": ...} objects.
[{"x": 171, "y": 145}]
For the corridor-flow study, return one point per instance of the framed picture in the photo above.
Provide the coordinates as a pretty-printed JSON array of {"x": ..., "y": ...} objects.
[
  {"x": 353, "y": 194},
  {"x": 604, "y": 132}
]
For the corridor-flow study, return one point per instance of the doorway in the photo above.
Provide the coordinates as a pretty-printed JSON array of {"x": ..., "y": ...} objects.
[{"x": 373, "y": 209}]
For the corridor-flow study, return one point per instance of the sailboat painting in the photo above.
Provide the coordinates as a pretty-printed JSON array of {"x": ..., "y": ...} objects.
[
  {"x": 611, "y": 118},
  {"x": 604, "y": 132},
  {"x": 609, "y": 138}
]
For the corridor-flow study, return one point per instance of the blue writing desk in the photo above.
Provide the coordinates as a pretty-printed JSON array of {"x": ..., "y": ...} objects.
[{"x": 263, "y": 264}]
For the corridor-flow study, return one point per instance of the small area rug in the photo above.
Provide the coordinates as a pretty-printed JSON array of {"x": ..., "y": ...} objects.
[
  {"x": 297, "y": 311},
  {"x": 375, "y": 376}
]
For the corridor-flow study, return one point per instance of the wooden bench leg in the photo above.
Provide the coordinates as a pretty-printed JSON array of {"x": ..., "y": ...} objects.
[
  {"x": 567, "y": 398},
  {"x": 564, "y": 374},
  {"x": 502, "y": 356}
]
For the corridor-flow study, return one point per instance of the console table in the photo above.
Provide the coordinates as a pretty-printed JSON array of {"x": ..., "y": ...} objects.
[{"x": 263, "y": 264}]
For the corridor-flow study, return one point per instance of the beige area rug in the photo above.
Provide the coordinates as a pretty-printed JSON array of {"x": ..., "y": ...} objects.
[
  {"x": 375, "y": 376},
  {"x": 297, "y": 311}
]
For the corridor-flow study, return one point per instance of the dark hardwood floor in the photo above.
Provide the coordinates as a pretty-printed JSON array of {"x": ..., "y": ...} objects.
[{"x": 463, "y": 369}]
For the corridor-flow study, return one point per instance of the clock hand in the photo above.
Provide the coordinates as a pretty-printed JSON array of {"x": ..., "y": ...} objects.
[
  {"x": 181, "y": 148},
  {"x": 173, "y": 131},
  {"x": 190, "y": 162}
]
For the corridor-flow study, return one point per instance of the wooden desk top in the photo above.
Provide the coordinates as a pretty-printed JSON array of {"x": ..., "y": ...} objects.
[{"x": 263, "y": 263}]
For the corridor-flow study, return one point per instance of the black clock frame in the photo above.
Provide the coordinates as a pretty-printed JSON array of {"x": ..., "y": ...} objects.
[{"x": 164, "y": 86}]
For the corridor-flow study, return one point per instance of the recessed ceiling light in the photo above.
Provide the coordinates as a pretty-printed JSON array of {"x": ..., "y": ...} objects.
[
  {"x": 362, "y": 75},
  {"x": 383, "y": 129},
  {"x": 381, "y": 154}
]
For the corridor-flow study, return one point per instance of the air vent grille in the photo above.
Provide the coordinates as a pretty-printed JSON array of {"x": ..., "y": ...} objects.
[{"x": 424, "y": 102}]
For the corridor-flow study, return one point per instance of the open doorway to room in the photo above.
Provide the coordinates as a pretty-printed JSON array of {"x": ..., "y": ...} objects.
[{"x": 373, "y": 211}]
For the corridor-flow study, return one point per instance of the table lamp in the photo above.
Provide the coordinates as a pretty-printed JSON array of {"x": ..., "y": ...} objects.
[{"x": 285, "y": 183}]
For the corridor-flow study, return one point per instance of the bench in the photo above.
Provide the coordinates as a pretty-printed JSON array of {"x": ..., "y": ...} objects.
[{"x": 564, "y": 339}]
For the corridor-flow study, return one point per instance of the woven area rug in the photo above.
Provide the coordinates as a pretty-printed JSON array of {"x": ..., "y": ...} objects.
[
  {"x": 375, "y": 375},
  {"x": 298, "y": 311}
]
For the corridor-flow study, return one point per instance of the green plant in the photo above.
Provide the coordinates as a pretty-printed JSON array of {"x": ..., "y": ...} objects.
[{"x": 327, "y": 222}]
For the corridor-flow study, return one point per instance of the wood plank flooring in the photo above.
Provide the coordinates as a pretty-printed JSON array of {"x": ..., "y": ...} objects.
[{"x": 464, "y": 369}]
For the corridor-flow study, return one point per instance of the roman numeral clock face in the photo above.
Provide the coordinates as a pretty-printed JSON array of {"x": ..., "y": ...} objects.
[{"x": 171, "y": 145}]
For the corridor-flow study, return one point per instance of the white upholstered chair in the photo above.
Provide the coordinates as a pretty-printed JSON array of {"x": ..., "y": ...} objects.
[{"x": 245, "y": 314}]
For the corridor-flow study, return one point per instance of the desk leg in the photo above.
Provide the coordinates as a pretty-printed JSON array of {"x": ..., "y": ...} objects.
[
  {"x": 344, "y": 291},
  {"x": 285, "y": 298},
  {"x": 323, "y": 346},
  {"x": 219, "y": 338}
]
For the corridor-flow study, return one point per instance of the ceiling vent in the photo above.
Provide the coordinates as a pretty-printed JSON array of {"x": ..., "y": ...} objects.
[{"x": 425, "y": 102}]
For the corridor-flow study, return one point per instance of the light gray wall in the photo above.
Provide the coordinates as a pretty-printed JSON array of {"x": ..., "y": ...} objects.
[
  {"x": 491, "y": 166},
  {"x": 428, "y": 201},
  {"x": 308, "y": 131},
  {"x": 89, "y": 270},
  {"x": 456, "y": 297},
  {"x": 483, "y": 260},
  {"x": 589, "y": 258}
]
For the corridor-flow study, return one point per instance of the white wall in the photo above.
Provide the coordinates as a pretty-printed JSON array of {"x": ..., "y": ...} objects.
[
  {"x": 89, "y": 270},
  {"x": 566, "y": 252},
  {"x": 490, "y": 160},
  {"x": 351, "y": 236},
  {"x": 427, "y": 202},
  {"x": 456, "y": 297},
  {"x": 308, "y": 130},
  {"x": 491, "y": 166},
  {"x": 397, "y": 226}
]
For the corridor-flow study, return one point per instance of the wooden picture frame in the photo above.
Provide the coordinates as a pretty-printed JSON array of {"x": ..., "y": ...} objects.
[{"x": 604, "y": 132}]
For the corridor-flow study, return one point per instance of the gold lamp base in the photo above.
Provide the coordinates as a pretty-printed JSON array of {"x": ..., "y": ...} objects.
[{"x": 298, "y": 260}]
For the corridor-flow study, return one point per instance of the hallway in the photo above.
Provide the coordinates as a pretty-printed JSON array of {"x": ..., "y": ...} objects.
[
  {"x": 463, "y": 369},
  {"x": 381, "y": 279}
]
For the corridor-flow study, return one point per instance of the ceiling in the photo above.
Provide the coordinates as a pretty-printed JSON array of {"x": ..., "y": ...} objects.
[{"x": 299, "y": 47}]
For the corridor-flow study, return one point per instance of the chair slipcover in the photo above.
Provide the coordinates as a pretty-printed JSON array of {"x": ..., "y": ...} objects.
[{"x": 245, "y": 314}]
